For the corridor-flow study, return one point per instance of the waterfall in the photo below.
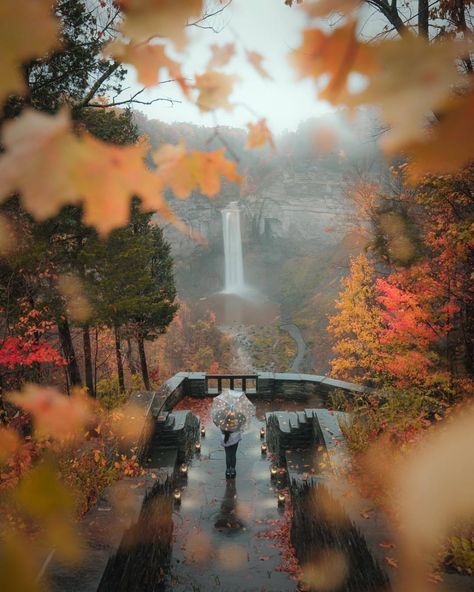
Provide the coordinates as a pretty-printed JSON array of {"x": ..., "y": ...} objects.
[{"x": 234, "y": 269}]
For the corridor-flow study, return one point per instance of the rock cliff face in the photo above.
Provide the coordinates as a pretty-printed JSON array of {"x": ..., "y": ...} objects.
[
  {"x": 300, "y": 207},
  {"x": 295, "y": 207}
]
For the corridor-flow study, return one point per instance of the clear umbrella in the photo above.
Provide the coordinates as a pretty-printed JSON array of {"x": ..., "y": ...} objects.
[{"x": 231, "y": 410}]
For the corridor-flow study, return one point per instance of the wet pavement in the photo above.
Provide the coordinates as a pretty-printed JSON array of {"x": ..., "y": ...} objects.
[{"x": 229, "y": 535}]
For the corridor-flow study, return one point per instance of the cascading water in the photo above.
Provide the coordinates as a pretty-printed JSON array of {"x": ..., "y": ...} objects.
[{"x": 234, "y": 268}]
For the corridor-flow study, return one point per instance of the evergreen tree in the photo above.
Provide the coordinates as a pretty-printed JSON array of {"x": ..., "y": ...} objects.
[{"x": 131, "y": 284}]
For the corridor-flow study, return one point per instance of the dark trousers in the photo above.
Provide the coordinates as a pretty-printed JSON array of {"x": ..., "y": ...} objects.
[{"x": 231, "y": 455}]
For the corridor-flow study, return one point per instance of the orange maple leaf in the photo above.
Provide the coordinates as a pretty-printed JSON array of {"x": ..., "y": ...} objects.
[
  {"x": 391, "y": 561},
  {"x": 449, "y": 146},
  {"x": 259, "y": 135},
  {"x": 185, "y": 171},
  {"x": 322, "y": 8},
  {"x": 214, "y": 90},
  {"x": 50, "y": 166},
  {"x": 146, "y": 19},
  {"x": 148, "y": 59},
  {"x": 336, "y": 55},
  {"x": 54, "y": 414},
  {"x": 256, "y": 60},
  {"x": 423, "y": 88},
  {"x": 221, "y": 55},
  {"x": 27, "y": 30}
]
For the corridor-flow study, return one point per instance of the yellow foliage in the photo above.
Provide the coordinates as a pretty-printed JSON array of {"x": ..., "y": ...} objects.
[{"x": 357, "y": 324}]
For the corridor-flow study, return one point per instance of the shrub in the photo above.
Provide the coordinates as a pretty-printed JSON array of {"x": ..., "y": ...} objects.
[{"x": 108, "y": 392}]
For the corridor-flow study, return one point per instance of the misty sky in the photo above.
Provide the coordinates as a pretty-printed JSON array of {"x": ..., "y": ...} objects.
[{"x": 266, "y": 26}]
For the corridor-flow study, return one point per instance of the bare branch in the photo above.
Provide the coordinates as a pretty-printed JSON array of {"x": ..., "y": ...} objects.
[
  {"x": 134, "y": 102},
  {"x": 209, "y": 15}
]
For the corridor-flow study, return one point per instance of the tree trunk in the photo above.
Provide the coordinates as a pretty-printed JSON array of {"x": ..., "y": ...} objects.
[
  {"x": 468, "y": 334},
  {"x": 96, "y": 353},
  {"x": 143, "y": 363},
  {"x": 118, "y": 354},
  {"x": 69, "y": 353},
  {"x": 423, "y": 18},
  {"x": 129, "y": 355},
  {"x": 86, "y": 337}
]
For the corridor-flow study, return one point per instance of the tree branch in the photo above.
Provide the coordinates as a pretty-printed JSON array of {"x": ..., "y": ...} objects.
[
  {"x": 209, "y": 15},
  {"x": 97, "y": 84},
  {"x": 391, "y": 14}
]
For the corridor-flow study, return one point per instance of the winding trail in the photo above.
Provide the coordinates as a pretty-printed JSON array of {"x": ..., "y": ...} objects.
[{"x": 294, "y": 332}]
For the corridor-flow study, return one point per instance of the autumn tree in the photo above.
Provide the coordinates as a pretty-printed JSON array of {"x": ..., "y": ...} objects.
[{"x": 357, "y": 326}]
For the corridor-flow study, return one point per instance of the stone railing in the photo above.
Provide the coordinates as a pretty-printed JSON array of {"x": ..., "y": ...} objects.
[{"x": 262, "y": 384}]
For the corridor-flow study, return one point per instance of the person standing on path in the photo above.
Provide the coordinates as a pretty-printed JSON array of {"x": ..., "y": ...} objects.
[{"x": 230, "y": 441}]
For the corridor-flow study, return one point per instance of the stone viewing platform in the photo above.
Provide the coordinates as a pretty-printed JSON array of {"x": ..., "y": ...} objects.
[{"x": 185, "y": 527}]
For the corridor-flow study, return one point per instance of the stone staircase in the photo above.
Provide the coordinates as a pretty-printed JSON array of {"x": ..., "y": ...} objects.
[
  {"x": 178, "y": 430},
  {"x": 299, "y": 430}
]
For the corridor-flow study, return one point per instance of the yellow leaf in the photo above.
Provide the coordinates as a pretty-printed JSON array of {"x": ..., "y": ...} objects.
[
  {"x": 185, "y": 171},
  {"x": 42, "y": 495},
  {"x": 259, "y": 135},
  {"x": 214, "y": 90},
  {"x": 50, "y": 166},
  {"x": 18, "y": 570},
  {"x": 336, "y": 55},
  {"x": 256, "y": 59},
  {"x": 145, "y": 19},
  {"x": 148, "y": 59},
  {"x": 45, "y": 498},
  {"x": 221, "y": 55},
  {"x": 27, "y": 30}
]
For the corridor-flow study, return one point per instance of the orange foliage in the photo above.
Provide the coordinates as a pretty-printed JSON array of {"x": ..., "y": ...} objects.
[
  {"x": 259, "y": 135},
  {"x": 27, "y": 30},
  {"x": 214, "y": 90}
]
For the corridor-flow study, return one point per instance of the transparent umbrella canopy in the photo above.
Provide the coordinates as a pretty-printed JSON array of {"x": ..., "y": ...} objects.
[{"x": 232, "y": 410}]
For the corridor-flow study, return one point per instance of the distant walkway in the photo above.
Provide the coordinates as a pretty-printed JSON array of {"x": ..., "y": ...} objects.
[{"x": 294, "y": 332}]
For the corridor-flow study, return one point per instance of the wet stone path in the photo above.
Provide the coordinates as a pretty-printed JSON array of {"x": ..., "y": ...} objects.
[{"x": 231, "y": 535}]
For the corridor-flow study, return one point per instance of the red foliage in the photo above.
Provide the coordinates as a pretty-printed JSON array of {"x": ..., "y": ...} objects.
[
  {"x": 200, "y": 407},
  {"x": 18, "y": 351}
]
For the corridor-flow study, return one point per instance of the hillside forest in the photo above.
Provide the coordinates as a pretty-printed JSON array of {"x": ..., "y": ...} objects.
[{"x": 357, "y": 229}]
